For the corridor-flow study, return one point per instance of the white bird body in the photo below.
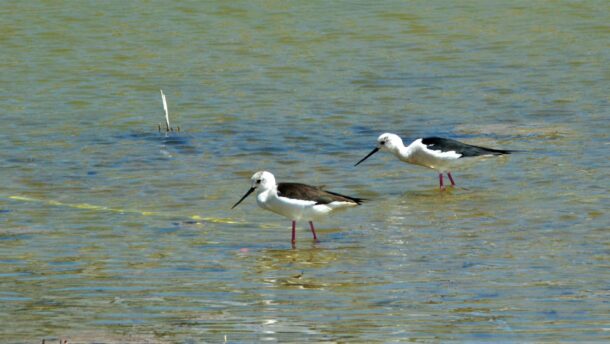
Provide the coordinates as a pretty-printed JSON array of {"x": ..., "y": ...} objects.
[
  {"x": 296, "y": 209},
  {"x": 419, "y": 154}
]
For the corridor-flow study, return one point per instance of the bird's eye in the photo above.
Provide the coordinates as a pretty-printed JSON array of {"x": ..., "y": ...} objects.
[
  {"x": 382, "y": 143},
  {"x": 258, "y": 181}
]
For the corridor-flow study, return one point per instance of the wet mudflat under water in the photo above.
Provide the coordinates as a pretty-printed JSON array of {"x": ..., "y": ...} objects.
[{"x": 111, "y": 232}]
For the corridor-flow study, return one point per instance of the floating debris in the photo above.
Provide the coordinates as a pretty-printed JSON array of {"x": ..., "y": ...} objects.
[
  {"x": 168, "y": 127},
  {"x": 86, "y": 206}
]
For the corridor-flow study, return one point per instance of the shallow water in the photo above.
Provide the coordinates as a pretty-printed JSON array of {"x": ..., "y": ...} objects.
[{"x": 111, "y": 232}]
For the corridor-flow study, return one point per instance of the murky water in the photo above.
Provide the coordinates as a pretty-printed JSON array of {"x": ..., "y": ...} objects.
[{"x": 111, "y": 232}]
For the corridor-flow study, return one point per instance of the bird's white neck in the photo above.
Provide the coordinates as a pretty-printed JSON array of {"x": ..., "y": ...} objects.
[
  {"x": 401, "y": 152},
  {"x": 263, "y": 195}
]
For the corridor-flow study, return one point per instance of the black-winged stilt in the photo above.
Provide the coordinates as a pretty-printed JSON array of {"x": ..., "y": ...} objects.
[
  {"x": 296, "y": 201},
  {"x": 437, "y": 153}
]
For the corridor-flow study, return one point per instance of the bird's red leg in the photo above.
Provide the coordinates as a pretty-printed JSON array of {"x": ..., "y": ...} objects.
[
  {"x": 294, "y": 235},
  {"x": 440, "y": 180},
  {"x": 450, "y": 178},
  {"x": 313, "y": 231}
]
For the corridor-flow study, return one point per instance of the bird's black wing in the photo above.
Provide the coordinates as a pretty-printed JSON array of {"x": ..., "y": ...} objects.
[
  {"x": 312, "y": 193},
  {"x": 466, "y": 150}
]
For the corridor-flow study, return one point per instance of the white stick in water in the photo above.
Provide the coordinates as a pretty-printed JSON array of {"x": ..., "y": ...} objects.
[{"x": 166, "y": 111}]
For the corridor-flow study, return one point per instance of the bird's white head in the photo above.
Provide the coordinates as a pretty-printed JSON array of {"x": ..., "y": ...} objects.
[
  {"x": 389, "y": 142},
  {"x": 263, "y": 180}
]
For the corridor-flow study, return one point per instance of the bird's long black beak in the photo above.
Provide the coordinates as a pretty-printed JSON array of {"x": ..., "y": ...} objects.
[
  {"x": 368, "y": 155},
  {"x": 243, "y": 198}
]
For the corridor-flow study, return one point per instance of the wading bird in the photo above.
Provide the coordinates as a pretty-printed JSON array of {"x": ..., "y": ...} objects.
[
  {"x": 433, "y": 152},
  {"x": 296, "y": 201}
]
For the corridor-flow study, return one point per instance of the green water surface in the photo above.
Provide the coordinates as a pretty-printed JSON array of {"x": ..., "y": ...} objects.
[{"x": 111, "y": 232}]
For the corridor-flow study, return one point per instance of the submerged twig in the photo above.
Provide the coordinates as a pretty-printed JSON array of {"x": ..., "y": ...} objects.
[{"x": 65, "y": 341}]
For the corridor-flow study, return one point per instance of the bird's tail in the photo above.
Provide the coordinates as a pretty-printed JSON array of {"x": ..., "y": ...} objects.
[
  {"x": 498, "y": 151},
  {"x": 356, "y": 200},
  {"x": 502, "y": 151}
]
